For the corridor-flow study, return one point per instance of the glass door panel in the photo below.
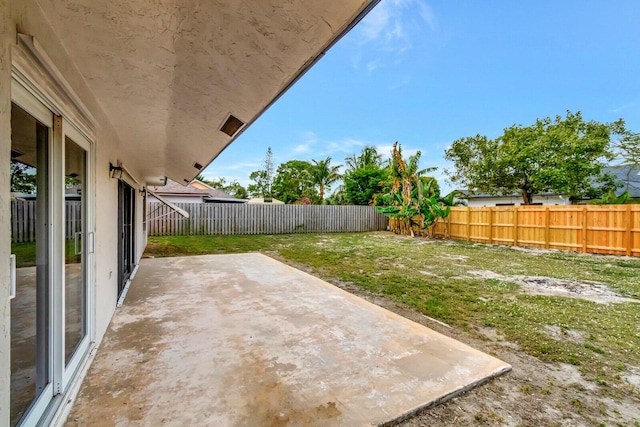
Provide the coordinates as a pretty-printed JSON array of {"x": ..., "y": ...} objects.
[
  {"x": 75, "y": 309},
  {"x": 126, "y": 226},
  {"x": 30, "y": 314}
]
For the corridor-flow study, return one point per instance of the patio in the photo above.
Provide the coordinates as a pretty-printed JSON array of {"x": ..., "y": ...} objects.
[{"x": 246, "y": 340}]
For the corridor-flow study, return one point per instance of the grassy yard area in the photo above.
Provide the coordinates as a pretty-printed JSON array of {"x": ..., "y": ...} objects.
[{"x": 477, "y": 288}]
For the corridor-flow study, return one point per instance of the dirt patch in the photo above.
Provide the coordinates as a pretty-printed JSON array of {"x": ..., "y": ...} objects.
[
  {"x": 533, "y": 251},
  {"x": 562, "y": 334},
  {"x": 541, "y": 285},
  {"x": 454, "y": 257}
]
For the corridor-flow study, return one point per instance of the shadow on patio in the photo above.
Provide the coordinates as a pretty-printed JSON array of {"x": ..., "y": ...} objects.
[{"x": 245, "y": 340}]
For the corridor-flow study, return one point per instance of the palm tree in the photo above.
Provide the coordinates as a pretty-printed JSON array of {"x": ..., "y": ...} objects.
[
  {"x": 368, "y": 157},
  {"x": 323, "y": 175}
]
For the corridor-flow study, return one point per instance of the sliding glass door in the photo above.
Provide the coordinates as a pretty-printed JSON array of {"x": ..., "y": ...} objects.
[
  {"x": 31, "y": 290},
  {"x": 126, "y": 227},
  {"x": 78, "y": 242},
  {"x": 51, "y": 239},
  {"x": 75, "y": 163}
]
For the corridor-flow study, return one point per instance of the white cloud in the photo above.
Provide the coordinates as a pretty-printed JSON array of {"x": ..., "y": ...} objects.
[
  {"x": 344, "y": 146},
  {"x": 403, "y": 81},
  {"x": 301, "y": 148},
  {"x": 426, "y": 13},
  {"x": 389, "y": 23},
  {"x": 372, "y": 65},
  {"x": 375, "y": 23},
  {"x": 624, "y": 107},
  {"x": 233, "y": 166}
]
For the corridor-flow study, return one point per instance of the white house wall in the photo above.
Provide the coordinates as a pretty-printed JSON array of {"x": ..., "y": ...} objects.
[
  {"x": 26, "y": 16},
  {"x": 6, "y": 36}
]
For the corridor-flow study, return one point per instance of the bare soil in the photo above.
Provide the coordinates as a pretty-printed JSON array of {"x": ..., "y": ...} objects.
[{"x": 541, "y": 285}]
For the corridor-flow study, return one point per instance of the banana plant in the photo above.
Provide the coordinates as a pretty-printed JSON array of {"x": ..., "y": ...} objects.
[{"x": 422, "y": 208}]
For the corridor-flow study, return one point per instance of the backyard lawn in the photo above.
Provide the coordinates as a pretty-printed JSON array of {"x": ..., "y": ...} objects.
[{"x": 568, "y": 323}]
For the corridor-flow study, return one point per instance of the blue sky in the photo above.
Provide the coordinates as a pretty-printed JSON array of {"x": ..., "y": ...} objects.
[{"x": 426, "y": 73}]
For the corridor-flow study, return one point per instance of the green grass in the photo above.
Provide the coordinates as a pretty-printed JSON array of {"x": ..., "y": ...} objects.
[
  {"x": 25, "y": 254},
  {"x": 434, "y": 277}
]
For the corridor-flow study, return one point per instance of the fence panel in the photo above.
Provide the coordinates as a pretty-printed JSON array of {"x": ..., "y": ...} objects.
[
  {"x": 23, "y": 220},
  {"x": 226, "y": 218},
  {"x": 609, "y": 229}
]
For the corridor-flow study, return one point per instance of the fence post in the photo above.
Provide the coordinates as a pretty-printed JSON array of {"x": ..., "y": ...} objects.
[
  {"x": 628, "y": 233},
  {"x": 546, "y": 227},
  {"x": 584, "y": 229},
  {"x": 515, "y": 225},
  {"x": 448, "y": 230},
  {"x": 490, "y": 225},
  {"x": 468, "y": 223}
]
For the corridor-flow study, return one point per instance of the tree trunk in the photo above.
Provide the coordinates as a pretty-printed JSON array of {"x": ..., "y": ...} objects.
[{"x": 527, "y": 197}]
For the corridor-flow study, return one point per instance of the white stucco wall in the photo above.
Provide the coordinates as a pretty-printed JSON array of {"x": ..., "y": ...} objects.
[
  {"x": 26, "y": 15},
  {"x": 6, "y": 35},
  {"x": 517, "y": 201}
]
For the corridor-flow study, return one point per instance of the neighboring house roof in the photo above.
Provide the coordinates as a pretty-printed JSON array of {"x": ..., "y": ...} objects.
[
  {"x": 213, "y": 192},
  {"x": 193, "y": 189},
  {"x": 265, "y": 201},
  {"x": 629, "y": 176}
]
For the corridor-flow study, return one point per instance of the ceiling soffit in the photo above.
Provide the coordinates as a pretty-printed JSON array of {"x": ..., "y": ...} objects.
[{"x": 169, "y": 73}]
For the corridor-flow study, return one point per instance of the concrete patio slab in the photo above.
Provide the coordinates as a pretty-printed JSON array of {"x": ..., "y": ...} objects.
[{"x": 244, "y": 340}]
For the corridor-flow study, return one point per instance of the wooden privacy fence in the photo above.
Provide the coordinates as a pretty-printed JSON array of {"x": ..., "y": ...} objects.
[
  {"x": 23, "y": 220},
  {"x": 227, "y": 218},
  {"x": 610, "y": 229}
]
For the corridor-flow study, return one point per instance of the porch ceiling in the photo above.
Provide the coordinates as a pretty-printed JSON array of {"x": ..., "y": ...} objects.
[{"x": 168, "y": 73}]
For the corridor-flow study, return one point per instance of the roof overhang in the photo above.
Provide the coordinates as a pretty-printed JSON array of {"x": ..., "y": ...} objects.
[
  {"x": 170, "y": 205},
  {"x": 169, "y": 75}
]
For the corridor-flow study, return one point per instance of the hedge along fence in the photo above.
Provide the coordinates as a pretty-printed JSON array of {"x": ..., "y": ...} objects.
[
  {"x": 227, "y": 218},
  {"x": 610, "y": 229}
]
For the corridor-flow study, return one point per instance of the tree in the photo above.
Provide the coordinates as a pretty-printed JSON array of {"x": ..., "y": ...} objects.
[
  {"x": 233, "y": 188},
  {"x": 293, "y": 182},
  {"x": 323, "y": 175},
  {"x": 263, "y": 178},
  {"x": 364, "y": 177},
  {"x": 220, "y": 182},
  {"x": 368, "y": 158},
  {"x": 236, "y": 190},
  {"x": 21, "y": 180},
  {"x": 626, "y": 147},
  {"x": 562, "y": 155},
  {"x": 338, "y": 197},
  {"x": 362, "y": 185}
]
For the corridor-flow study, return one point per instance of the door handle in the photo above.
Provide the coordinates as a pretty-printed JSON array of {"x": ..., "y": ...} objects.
[
  {"x": 92, "y": 242},
  {"x": 12, "y": 276},
  {"x": 77, "y": 237}
]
